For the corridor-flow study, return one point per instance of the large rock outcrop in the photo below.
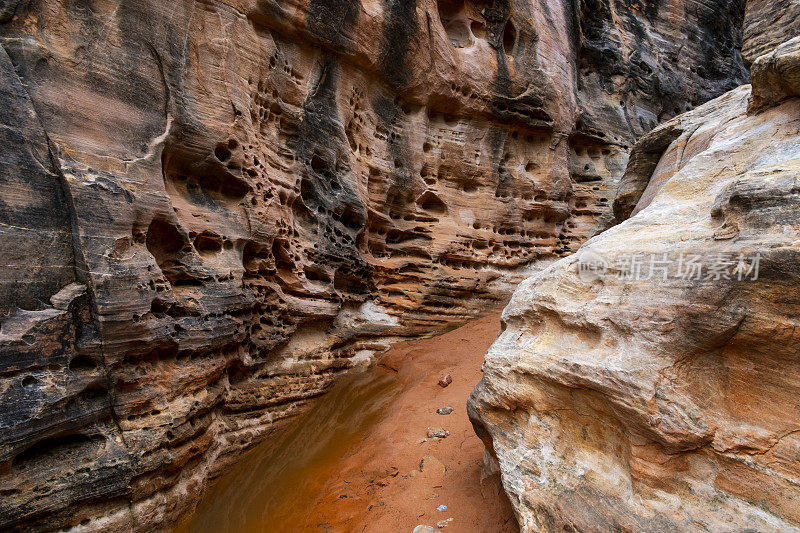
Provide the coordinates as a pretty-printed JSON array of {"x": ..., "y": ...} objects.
[
  {"x": 210, "y": 209},
  {"x": 767, "y": 25},
  {"x": 651, "y": 381}
]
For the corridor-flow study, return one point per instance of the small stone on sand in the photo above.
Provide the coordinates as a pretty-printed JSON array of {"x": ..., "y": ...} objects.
[
  {"x": 438, "y": 433},
  {"x": 443, "y": 523}
]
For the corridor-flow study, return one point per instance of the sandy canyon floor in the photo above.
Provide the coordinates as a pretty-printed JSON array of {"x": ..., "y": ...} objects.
[{"x": 361, "y": 460}]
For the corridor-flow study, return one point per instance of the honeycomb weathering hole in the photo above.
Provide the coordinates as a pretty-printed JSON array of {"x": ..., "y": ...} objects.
[
  {"x": 470, "y": 187},
  {"x": 316, "y": 273},
  {"x": 164, "y": 240},
  {"x": 432, "y": 203},
  {"x": 449, "y": 9},
  {"x": 63, "y": 447},
  {"x": 478, "y": 29},
  {"x": 82, "y": 363},
  {"x": 348, "y": 283},
  {"x": 222, "y": 153},
  {"x": 255, "y": 257},
  {"x": 458, "y": 33},
  {"x": 207, "y": 243},
  {"x": 460, "y": 23},
  {"x": 318, "y": 163},
  {"x": 509, "y": 38}
]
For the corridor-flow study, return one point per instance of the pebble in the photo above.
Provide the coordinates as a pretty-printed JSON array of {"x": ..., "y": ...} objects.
[
  {"x": 444, "y": 410},
  {"x": 441, "y": 508},
  {"x": 432, "y": 466},
  {"x": 438, "y": 433},
  {"x": 444, "y": 523},
  {"x": 445, "y": 381}
]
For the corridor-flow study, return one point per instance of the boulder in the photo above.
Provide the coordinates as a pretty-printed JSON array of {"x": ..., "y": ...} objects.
[{"x": 657, "y": 390}]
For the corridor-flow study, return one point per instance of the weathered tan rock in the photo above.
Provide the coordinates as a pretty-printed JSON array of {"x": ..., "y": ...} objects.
[
  {"x": 665, "y": 401},
  {"x": 768, "y": 23},
  {"x": 776, "y": 76},
  {"x": 209, "y": 210}
]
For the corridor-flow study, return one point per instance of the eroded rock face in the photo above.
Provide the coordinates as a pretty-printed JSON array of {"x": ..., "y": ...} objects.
[
  {"x": 211, "y": 209},
  {"x": 768, "y": 23},
  {"x": 663, "y": 397}
]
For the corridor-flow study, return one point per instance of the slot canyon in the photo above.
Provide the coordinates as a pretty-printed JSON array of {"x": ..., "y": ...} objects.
[{"x": 255, "y": 253}]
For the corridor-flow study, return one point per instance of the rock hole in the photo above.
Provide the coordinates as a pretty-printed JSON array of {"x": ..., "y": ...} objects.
[
  {"x": 208, "y": 243},
  {"x": 164, "y": 241},
  {"x": 60, "y": 448},
  {"x": 349, "y": 283},
  {"x": 455, "y": 22},
  {"x": 432, "y": 203},
  {"x": 353, "y": 219},
  {"x": 478, "y": 29},
  {"x": 396, "y": 236},
  {"x": 283, "y": 260},
  {"x": 82, "y": 363},
  {"x": 449, "y": 8},
  {"x": 509, "y": 38},
  {"x": 94, "y": 392},
  {"x": 314, "y": 273},
  {"x": 318, "y": 164},
  {"x": 222, "y": 153}
]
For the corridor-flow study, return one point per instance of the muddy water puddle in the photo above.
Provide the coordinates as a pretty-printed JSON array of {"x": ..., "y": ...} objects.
[{"x": 273, "y": 488}]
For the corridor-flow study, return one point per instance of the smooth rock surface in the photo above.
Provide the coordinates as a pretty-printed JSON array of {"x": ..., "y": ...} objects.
[
  {"x": 258, "y": 195},
  {"x": 654, "y": 396}
]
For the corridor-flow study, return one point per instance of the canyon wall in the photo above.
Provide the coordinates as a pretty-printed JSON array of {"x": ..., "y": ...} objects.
[
  {"x": 768, "y": 23},
  {"x": 650, "y": 382},
  {"x": 209, "y": 210}
]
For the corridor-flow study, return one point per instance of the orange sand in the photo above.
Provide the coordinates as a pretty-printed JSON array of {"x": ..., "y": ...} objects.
[{"x": 353, "y": 463}]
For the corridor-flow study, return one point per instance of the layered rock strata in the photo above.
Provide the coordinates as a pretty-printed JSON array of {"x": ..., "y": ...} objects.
[
  {"x": 768, "y": 23},
  {"x": 209, "y": 210},
  {"x": 650, "y": 382}
]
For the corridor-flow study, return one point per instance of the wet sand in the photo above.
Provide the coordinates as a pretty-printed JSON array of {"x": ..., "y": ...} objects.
[{"x": 360, "y": 460}]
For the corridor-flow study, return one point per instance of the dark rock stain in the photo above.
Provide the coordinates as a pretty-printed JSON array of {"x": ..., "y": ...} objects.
[
  {"x": 399, "y": 29},
  {"x": 322, "y": 154},
  {"x": 332, "y": 21}
]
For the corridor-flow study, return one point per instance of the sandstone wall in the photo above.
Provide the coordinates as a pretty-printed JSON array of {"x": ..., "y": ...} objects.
[
  {"x": 209, "y": 210},
  {"x": 660, "y": 397},
  {"x": 768, "y": 23}
]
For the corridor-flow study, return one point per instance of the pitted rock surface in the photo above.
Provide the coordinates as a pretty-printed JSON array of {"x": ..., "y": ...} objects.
[
  {"x": 211, "y": 209},
  {"x": 663, "y": 396}
]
